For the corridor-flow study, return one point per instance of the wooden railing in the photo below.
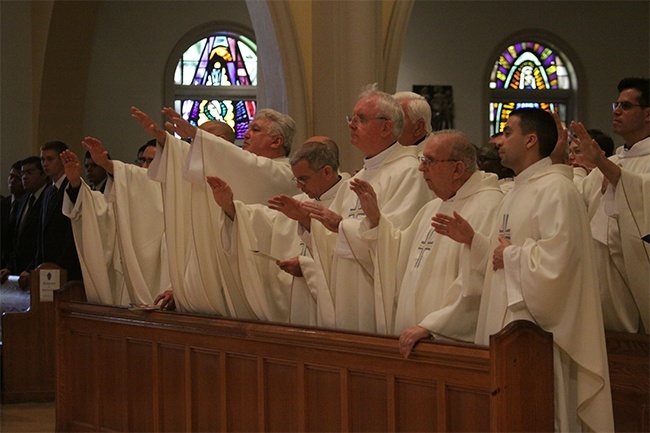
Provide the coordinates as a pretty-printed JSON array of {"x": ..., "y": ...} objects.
[
  {"x": 28, "y": 347},
  {"x": 124, "y": 370}
]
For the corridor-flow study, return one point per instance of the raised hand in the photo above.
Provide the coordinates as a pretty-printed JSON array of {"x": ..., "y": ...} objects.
[
  {"x": 291, "y": 208},
  {"x": 98, "y": 153},
  {"x": 320, "y": 213},
  {"x": 558, "y": 155},
  {"x": 223, "y": 195},
  {"x": 177, "y": 124},
  {"x": 71, "y": 167},
  {"x": 454, "y": 227},
  {"x": 149, "y": 125},
  {"x": 367, "y": 199}
]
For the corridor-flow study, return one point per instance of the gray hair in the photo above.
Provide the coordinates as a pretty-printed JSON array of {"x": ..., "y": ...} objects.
[
  {"x": 417, "y": 107},
  {"x": 318, "y": 154},
  {"x": 281, "y": 124},
  {"x": 387, "y": 105},
  {"x": 461, "y": 148}
]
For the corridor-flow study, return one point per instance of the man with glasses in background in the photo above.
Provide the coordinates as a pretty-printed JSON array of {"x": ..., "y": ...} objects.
[
  {"x": 392, "y": 170},
  {"x": 617, "y": 194}
]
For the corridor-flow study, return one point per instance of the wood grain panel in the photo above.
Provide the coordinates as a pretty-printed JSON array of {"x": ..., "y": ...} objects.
[
  {"x": 466, "y": 409},
  {"x": 206, "y": 386},
  {"x": 171, "y": 387},
  {"x": 323, "y": 398},
  {"x": 140, "y": 385},
  {"x": 112, "y": 365},
  {"x": 281, "y": 395},
  {"x": 83, "y": 384},
  {"x": 416, "y": 406},
  {"x": 242, "y": 393},
  {"x": 368, "y": 402}
]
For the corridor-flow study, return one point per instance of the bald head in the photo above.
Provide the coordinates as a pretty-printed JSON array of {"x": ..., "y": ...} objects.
[{"x": 220, "y": 129}]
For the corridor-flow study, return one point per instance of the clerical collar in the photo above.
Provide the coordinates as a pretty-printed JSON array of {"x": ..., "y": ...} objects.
[
  {"x": 420, "y": 140},
  {"x": 640, "y": 148},
  {"x": 377, "y": 161}
]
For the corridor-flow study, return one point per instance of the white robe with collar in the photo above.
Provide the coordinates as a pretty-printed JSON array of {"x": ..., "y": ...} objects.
[
  {"x": 617, "y": 223},
  {"x": 423, "y": 278},
  {"x": 549, "y": 277},
  {"x": 401, "y": 193},
  {"x": 272, "y": 293}
]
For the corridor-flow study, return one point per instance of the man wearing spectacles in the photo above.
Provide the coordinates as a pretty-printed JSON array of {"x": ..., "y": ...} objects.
[
  {"x": 425, "y": 277},
  {"x": 392, "y": 170},
  {"x": 278, "y": 289},
  {"x": 617, "y": 194}
]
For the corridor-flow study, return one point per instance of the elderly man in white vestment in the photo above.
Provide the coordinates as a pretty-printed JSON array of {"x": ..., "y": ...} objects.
[
  {"x": 417, "y": 119},
  {"x": 543, "y": 270},
  {"x": 263, "y": 242},
  {"x": 424, "y": 278},
  {"x": 119, "y": 234},
  {"x": 193, "y": 220},
  {"x": 392, "y": 170},
  {"x": 618, "y": 211}
]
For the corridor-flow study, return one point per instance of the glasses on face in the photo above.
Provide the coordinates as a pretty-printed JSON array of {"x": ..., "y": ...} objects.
[
  {"x": 625, "y": 106},
  {"x": 302, "y": 180},
  {"x": 141, "y": 161},
  {"x": 425, "y": 160},
  {"x": 363, "y": 120}
]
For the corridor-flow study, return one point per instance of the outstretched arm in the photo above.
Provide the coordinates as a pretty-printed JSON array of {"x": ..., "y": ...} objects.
[
  {"x": 291, "y": 208},
  {"x": 149, "y": 125},
  {"x": 223, "y": 195},
  {"x": 72, "y": 168},
  {"x": 593, "y": 153},
  {"x": 177, "y": 124},
  {"x": 368, "y": 199},
  {"x": 98, "y": 153},
  {"x": 320, "y": 213}
]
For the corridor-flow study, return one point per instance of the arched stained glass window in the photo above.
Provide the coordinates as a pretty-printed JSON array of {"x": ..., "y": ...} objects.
[
  {"x": 529, "y": 74},
  {"x": 215, "y": 79}
]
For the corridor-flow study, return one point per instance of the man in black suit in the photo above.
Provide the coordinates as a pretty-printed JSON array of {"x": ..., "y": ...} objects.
[
  {"x": 55, "y": 239},
  {"x": 28, "y": 215},
  {"x": 8, "y": 215}
]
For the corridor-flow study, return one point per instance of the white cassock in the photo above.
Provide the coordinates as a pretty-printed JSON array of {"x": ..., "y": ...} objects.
[
  {"x": 126, "y": 241},
  {"x": 401, "y": 193},
  {"x": 427, "y": 279},
  {"x": 202, "y": 279},
  {"x": 274, "y": 294},
  {"x": 617, "y": 225},
  {"x": 95, "y": 235},
  {"x": 550, "y": 278}
]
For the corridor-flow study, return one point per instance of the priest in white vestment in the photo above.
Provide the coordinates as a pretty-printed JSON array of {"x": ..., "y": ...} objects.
[
  {"x": 202, "y": 280},
  {"x": 263, "y": 242},
  {"x": 392, "y": 170},
  {"x": 121, "y": 229},
  {"x": 427, "y": 282},
  {"x": 543, "y": 270},
  {"x": 618, "y": 209},
  {"x": 417, "y": 119}
]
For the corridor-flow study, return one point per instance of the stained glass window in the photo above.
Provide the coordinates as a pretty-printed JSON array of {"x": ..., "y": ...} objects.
[
  {"x": 528, "y": 74},
  {"x": 216, "y": 79}
]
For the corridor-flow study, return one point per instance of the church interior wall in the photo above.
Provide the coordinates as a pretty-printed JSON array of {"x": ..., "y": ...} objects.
[{"x": 447, "y": 42}]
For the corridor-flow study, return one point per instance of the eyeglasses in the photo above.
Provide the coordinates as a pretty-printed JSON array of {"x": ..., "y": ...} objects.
[
  {"x": 302, "y": 180},
  {"x": 141, "y": 161},
  {"x": 425, "y": 160},
  {"x": 363, "y": 120},
  {"x": 625, "y": 105}
]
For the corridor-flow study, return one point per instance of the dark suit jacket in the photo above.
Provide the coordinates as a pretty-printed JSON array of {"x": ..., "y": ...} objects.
[
  {"x": 56, "y": 241},
  {"x": 25, "y": 240},
  {"x": 6, "y": 232}
]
